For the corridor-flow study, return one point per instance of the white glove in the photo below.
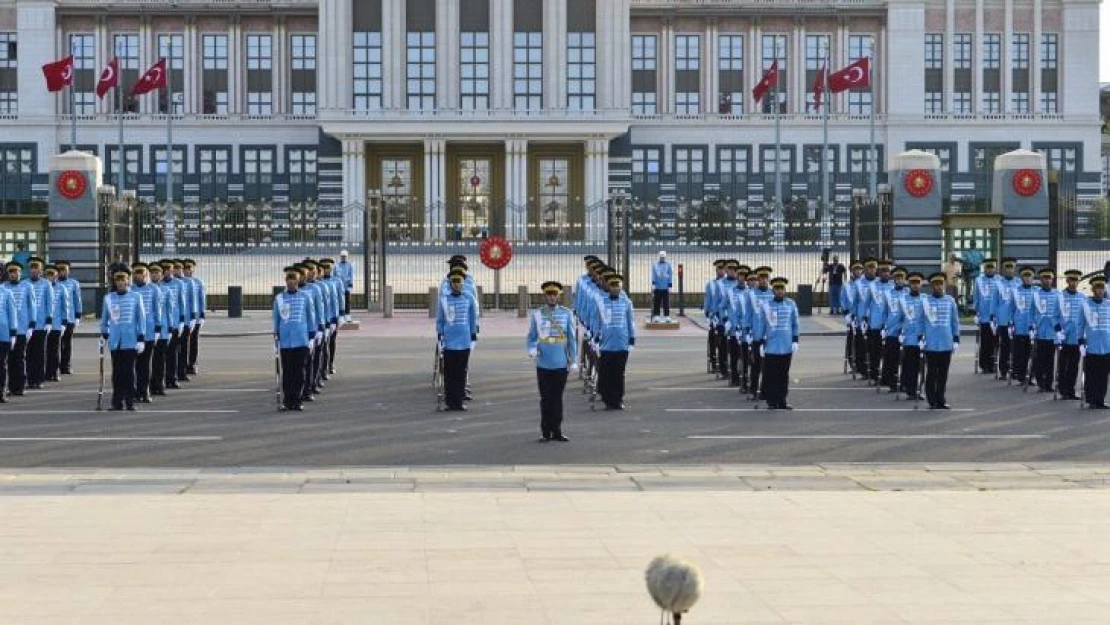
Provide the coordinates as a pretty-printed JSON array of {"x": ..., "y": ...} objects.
[
  {"x": 157, "y": 337},
  {"x": 994, "y": 328},
  {"x": 11, "y": 341},
  {"x": 902, "y": 339},
  {"x": 532, "y": 352},
  {"x": 140, "y": 347},
  {"x": 630, "y": 348},
  {"x": 921, "y": 344},
  {"x": 1083, "y": 351},
  {"x": 848, "y": 320},
  {"x": 882, "y": 334},
  {"x": 200, "y": 322},
  {"x": 793, "y": 348},
  {"x": 99, "y": 343},
  {"x": 77, "y": 322},
  {"x": 955, "y": 347},
  {"x": 1059, "y": 338},
  {"x": 46, "y": 328},
  {"x": 864, "y": 326},
  {"x": 1011, "y": 331},
  {"x": 977, "y": 322},
  {"x": 1032, "y": 335},
  {"x": 29, "y": 333},
  {"x": 573, "y": 366},
  {"x": 473, "y": 344},
  {"x": 180, "y": 328},
  {"x": 763, "y": 350}
]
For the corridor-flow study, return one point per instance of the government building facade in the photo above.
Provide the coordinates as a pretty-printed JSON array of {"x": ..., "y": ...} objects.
[{"x": 525, "y": 117}]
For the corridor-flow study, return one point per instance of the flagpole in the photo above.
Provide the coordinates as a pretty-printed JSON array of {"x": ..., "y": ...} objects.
[
  {"x": 72, "y": 117},
  {"x": 873, "y": 156},
  {"x": 171, "y": 243},
  {"x": 120, "y": 159},
  {"x": 825, "y": 136},
  {"x": 778, "y": 137}
]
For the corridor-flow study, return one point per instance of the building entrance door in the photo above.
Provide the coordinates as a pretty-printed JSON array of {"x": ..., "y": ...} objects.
[{"x": 475, "y": 191}]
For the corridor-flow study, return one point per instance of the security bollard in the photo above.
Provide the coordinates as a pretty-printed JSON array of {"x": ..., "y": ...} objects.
[
  {"x": 522, "y": 301},
  {"x": 433, "y": 302},
  {"x": 387, "y": 302}
]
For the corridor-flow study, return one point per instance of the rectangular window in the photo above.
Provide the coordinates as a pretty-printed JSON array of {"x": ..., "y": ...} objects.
[
  {"x": 368, "y": 71},
  {"x": 260, "y": 95},
  {"x": 861, "y": 99},
  {"x": 213, "y": 161},
  {"x": 785, "y": 162},
  {"x": 934, "y": 73},
  {"x": 687, "y": 74},
  {"x": 687, "y": 103},
  {"x": 644, "y": 103},
  {"x": 645, "y": 161},
  {"x": 687, "y": 52},
  {"x": 528, "y": 71},
  {"x": 1050, "y": 60},
  {"x": 961, "y": 64},
  {"x": 774, "y": 48},
  {"x": 934, "y": 51},
  {"x": 83, "y": 48},
  {"x": 581, "y": 71},
  {"x": 16, "y": 160},
  {"x": 421, "y": 70},
  {"x": 214, "y": 78},
  {"x": 732, "y": 161},
  {"x": 172, "y": 48},
  {"x": 302, "y": 162},
  {"x": 992, "y": 74},
  {"x": 258, "y": 161},
  {"x": 689, "y": 160},
  {"x": 9, "y": 84},
  {"x": 1059, "y": 158},
  {"x": 934, "y": 102},
  {"x": 860, "y": 160},
  {"x": 126, "y": 49},
  {"x": 644, "y": 80},
  {"x": 302, "y": 79},
  {"x": 474, "y": 86},
  {"x": 961, "y": 51},
  {"x": 1019, "y": 73},
  {"x": 132, "y": 163},
  {"x": 817, "y": 54},
  {"x": 730, "y": 74},
  {"x": 159, "y": 160},
  {"x": 811, "y": 159},
  {"x": 961, "y": 103}
]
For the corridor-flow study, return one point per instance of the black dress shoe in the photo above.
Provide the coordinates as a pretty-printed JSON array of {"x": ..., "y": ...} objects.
[
  {"x": 54, "y": 378},
  {"x": 115, "y": 409},
  {"x": 17, "y": 393},
  {"x": 331, "y": 371},
  {"x": 785, "y": 407},
  {"x": 67, "y": 371},
  {"x": 560, "y": 438},
  {"x": 1101, "y": 407},
  {"x": 459, "y": 408},
  {"x": 308, "y": 398},
  {"x": 130, "y": 407},
  {"x": 145, "y": 399},
  {"x": 173, "y": 385},
  {"x": 191, "y": 370},
  {"x": 544, "y": 439},
  {"x": 3, "y": 400}
]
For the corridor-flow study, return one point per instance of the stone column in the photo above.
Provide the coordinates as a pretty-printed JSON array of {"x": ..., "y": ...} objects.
[
  {"x": 434, "y": 187},
  {"x": 977, "y": 61},
  {"x": 709, "y": 82},
  {"x": 1035, "y": 57},
  {"x": 917, "y": 234},
  {"x": 665, "y": 63},
  {"x": 949, "y": 58},
  {"x": 1007, "y": 57},
  {"x": 753, "y": 67},
  {"x": 798, "y": 67},
  {"x": 236, "y": 66},
  {"x": 1025, "y": 217}
]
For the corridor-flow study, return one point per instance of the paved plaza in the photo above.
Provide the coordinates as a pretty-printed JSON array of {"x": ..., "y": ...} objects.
[{"x": 210, "y": 507}]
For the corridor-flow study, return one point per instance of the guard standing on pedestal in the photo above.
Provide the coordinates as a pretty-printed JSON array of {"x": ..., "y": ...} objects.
[
  {"x": 1071, "y": 308},
  {"x": 76, "y": 310},
  {"x": 43, "y": 294},
  {"x": 778, "y": 342},
  {"x": 62, "y": 311},
  {"x": 552, "y": 342},
  {"x": 942, "y": 340},
  {"x": 20, "y": 291},
  {"x": 294, "y": 326},
  {"x": 1094, "y": 344},
  {"x": 662, "y": 279},
  {"x": 122, "y": 327},
  {"x": 618, "y": 339},
  {"x": 345, "y": 271},
  {"x": 456, "y": 328}
]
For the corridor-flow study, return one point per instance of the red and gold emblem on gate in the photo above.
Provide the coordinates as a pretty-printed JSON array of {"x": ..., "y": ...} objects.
[
  {"x": 1027, "y": 182},
  {"x": 72, "y": 184},
  {"x": 496, "y": 252},
  {"x": 919, "y": 182}
]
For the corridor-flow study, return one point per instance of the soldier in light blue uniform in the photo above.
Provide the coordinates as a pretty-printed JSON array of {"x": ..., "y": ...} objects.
[
  {"x": 1094, "y": 344},
  {"x": 123, "y": 330},
  {"x": 9, "y": 330},
  {"x": 152, "y": 306},
  {"x": 331, "y": 319},
  {"x": 552, "y": 342},
  {"x": 62, "y": 311},
  {"x": 25, "y": 310},
  {"x": 295, "y": 327},
  {"x": 618, "y": 339},
  {"x": 912, "y": 336},
  {"x": 313, "y": 385},
  {"x": 737, "y": 320},
  {"x": 778, "y": 340},
  {"x": 1071, "y": 309},
  {"x": 662, "y": 278},
  {"x": 860, "y": 313},
  {"x": 76, "y": 311},
  {"x": 189, "y": 314},
  {"x": 892, "y": 316},
  {"x": 848, "y": 295},
  {"x": 942, "y": 340},
  {"x": 875, "y": 318},
  {"x": 985, "y": 293},
  {"x": 757, "y": 298},
  {"x": 174, "y": 303},
  {"x": 43, "y": 293},
  {"x": 164, "y": 321},
  {"x": 345, "y": 272},
  {"x": 1024, "y": 326},
  {"x": 1049, "y": 330},
  {"x": 723, "y": 303},
  {"x": 1003, "y": 307},
  {"x": 457, "y": 330},
  {"x": 582, "y": 288},
  {"x": 200, "y": 304},
  {"x": 336, "y": 285},
  {"x": 716, "y": 354}
]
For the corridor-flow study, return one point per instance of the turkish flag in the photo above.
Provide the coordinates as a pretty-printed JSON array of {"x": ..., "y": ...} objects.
[
  {"x": 857, "y": 74},
  {"x": 769, "y": 80},
  {"x": 819, "y": 88},
  {"x": 153, "y": 79},
  {"x": 58, "y": 74},
  {"x": 109, "y": 78}
]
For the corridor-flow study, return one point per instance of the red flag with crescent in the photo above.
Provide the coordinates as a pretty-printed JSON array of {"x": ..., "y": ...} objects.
[
  {"x": 58, "y": 74},
  {"x": 857, "y": 74},
  {"x": 769, "y": 80},
  {"x": 109, "y": 78},
  {"x": 153, "y": 79}
]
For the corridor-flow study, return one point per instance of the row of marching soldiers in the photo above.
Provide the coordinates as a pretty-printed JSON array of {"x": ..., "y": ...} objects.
[
  {"x": 893, "y": 326},
  {"x": 160, "y": 304},
  {"x": 1036, "y": 334},
  {"x": 40, "y": 305},
  {"x": 306, "y": 316},
  {"x": 753, "y": 331},
  {"x": 608, "y": 329}
]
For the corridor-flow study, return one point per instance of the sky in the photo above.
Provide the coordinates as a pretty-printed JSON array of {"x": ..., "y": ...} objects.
[{"x": 1104, "y": 42}]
